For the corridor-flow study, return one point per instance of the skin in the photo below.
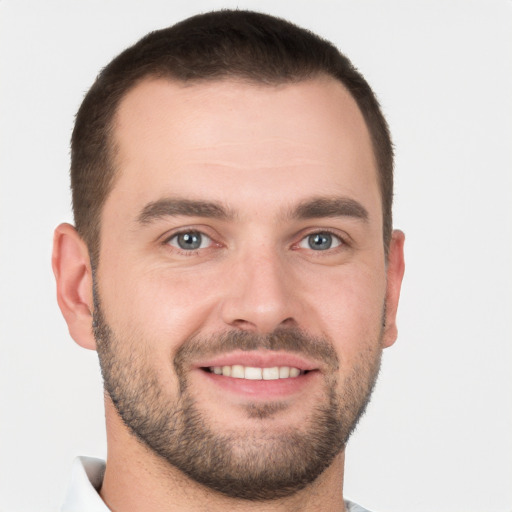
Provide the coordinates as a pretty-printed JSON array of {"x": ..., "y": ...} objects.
[{"x": 260, "y": 151}]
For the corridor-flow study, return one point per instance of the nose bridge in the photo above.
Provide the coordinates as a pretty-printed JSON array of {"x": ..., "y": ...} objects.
[{"x": 259, "y": 291}]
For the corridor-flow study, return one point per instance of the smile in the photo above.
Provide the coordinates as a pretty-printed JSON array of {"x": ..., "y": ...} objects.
[
  {"x": 259, "y": 375},
  {"x": 239, "y": 371}
]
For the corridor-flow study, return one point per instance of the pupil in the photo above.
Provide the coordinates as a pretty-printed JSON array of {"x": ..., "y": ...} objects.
[
  {"x": 189, "y": 241},
  {"x": 320, "y": 241}
]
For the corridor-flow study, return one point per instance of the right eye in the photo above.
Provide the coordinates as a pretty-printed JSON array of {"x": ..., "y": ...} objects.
[{"x": 190, "y": 240}]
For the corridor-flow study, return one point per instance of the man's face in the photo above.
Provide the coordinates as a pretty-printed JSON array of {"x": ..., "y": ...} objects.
[{"x": 240, "y": 246}]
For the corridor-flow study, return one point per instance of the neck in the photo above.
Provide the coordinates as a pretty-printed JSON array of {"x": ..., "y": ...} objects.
[{"x": 137, "y": 480}]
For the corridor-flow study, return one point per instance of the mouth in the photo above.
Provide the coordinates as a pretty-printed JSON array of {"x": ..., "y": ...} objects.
[
  {"x": 260, "y": 374},
  {"x": 238, "y": 371}
]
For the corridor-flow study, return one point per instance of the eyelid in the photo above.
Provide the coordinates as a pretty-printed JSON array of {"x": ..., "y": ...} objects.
[
  {"x": 336, "y": 241},
  {"x": 204, "y": 239},
  {"x": 203, "y": 230},
  {"x": 343, "y": 238}
]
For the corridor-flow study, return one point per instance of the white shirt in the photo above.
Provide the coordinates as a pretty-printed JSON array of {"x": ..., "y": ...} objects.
[
  {"x": 82, "y": 494},
  {"x": 86, "y": 478}
]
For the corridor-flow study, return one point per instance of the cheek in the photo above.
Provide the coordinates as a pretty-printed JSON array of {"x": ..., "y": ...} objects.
[
  {"x": 151, "y": 314},
  {"x": 166, "y": 306},
  {"x": 163, "y": 306},
  {"x": 348, "y": 305}
]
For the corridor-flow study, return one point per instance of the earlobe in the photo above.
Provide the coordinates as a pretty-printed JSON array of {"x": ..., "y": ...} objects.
[
  {"x": 395, "y": 274},
  {"x": 73, "y": 275}
]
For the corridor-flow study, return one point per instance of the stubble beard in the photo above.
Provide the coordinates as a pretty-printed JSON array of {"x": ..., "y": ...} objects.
[{"x": 253, "y": 465}]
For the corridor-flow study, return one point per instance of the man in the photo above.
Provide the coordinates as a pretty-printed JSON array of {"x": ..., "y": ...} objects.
[{"x": 233, "y": 263}]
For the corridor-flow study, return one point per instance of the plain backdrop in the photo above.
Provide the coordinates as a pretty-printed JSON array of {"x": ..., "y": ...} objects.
[{"x": 437, "y": 436}]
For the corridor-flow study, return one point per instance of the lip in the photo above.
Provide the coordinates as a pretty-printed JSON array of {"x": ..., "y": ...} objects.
[
  {"x": 260, "y": 390},
  {"x": 259, "y": 359}
]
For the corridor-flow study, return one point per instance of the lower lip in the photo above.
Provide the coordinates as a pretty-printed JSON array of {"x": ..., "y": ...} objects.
[{"x": 262, "y": 389}]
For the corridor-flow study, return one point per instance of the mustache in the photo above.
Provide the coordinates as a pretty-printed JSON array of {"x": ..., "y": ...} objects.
[{"x": 283, "y": 339}]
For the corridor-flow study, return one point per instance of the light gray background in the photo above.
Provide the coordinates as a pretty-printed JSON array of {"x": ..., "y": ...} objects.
[{"x": 437, "y": 436}]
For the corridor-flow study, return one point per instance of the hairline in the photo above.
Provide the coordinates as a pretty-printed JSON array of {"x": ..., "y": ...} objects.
[{"x": 112, "y": 145}]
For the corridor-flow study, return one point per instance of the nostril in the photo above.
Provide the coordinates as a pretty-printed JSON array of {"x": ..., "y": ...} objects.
[
  {"x": 288, "y": 322},
  {"x": 243, "y": 325},
  {"x": 250, "y": 326}
]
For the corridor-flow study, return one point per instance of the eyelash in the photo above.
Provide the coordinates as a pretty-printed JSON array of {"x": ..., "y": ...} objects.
[
  {"x": 189, "y": 252},
  {"x": 343, "y": 242}
]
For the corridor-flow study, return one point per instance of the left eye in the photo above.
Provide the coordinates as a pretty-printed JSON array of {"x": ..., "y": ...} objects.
[
  {"x": 320, "y": 241},
  {"x": 190, "y": 240}
]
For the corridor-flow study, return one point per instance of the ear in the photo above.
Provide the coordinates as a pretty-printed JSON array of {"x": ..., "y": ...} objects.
[
  {"x": 395, "y": 274},
  {"x": 73, "y": 274}
]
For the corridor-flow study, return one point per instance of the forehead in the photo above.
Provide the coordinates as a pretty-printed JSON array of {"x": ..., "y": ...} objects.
[{"x": 236, "y": 141}]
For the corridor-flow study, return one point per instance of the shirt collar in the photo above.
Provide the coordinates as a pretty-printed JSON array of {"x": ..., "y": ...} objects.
[
  {"x": 85, "y": 483},
  {"x": 82, "y": 494}
]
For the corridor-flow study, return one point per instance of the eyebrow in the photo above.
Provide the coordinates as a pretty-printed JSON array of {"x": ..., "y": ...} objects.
[
  {"x": 330, "y": 207},
  {"x": 313, "y": 208},
  {"x": 182, "y": 207}
]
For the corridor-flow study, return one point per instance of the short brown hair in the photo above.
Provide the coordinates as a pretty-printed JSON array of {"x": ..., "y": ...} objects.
[{"x": 245, "y": 45}]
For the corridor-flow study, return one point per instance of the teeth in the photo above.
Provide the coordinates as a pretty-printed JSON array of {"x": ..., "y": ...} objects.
[
  {"x": 237, "y": 371},
  {"x": 252, "y": 373},
  {"x": 294, "y": 372},
  {"x": 284, "y": 372},
  {"x": 271, "y": 373}
]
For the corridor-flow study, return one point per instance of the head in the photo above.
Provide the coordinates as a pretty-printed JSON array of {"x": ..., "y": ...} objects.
[
  {"x": 234, "y": 264},
  {"x": 245, "y": 46}
]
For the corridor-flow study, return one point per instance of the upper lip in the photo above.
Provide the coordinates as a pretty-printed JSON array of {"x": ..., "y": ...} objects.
[{"x": 259, "y": 359}]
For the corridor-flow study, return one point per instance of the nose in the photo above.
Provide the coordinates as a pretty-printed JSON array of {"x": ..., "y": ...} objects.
[{"x": 260, "y": 295}]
